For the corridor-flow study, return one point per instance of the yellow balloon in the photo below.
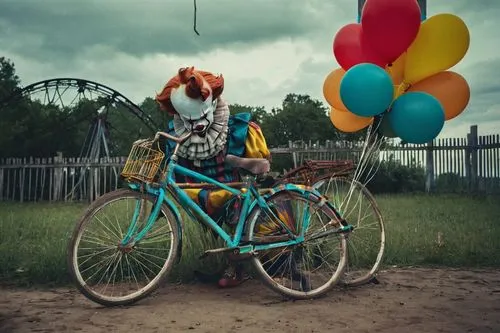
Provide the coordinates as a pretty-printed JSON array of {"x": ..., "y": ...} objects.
[
  {"x": 347, "y": 121},
  {"x": 442, "y": 41},
  {"x": 396, "y": 70}
]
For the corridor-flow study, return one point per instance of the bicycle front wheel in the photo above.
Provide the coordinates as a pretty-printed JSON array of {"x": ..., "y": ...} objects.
[
  {"x": 110, "y": 272},
  {"x": 306, "y": 270},
  {"x": 366, "y": 243}
]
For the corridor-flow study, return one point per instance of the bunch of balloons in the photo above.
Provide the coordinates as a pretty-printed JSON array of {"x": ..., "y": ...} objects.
[{"x": 394, "y": 68}]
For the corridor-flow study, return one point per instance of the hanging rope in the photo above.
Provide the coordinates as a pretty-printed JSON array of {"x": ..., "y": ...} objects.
[{"x": 194, "y": 24}]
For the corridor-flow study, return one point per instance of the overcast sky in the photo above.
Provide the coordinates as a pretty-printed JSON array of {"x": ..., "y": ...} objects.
[{"x": 264, "y": 48}]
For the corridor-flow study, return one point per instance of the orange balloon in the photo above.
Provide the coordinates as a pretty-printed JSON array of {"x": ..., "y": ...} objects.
[
  {"x": 396, "y": 70},
  {"x": 450, "y": 88},
  {"x": 347, "y": 121},
  {"x": 331, "y": 89}
]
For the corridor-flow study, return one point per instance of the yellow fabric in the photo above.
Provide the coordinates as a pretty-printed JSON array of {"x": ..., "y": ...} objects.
[
  {"x": 255, "y": 147},
  {"x": 217, "y": 198},
  {"x": 193, "y": 194}
]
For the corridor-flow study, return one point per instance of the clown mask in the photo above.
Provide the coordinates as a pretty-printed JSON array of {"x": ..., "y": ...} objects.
[
  {"x": 196, "y": 114},
  {"x": 194, "y": 99},
  {"x": 192, "y": 96}
]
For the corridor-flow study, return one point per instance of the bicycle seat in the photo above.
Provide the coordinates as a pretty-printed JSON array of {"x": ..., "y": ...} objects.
[{"x": 256, "y": 166}]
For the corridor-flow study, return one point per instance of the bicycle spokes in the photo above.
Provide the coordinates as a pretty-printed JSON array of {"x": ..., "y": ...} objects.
[
  {"x": 310, "y": 263},
  {"x": 113, "y": 267}
]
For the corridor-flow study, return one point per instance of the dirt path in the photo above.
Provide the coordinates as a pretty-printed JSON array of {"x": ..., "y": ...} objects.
[{"x": 410, "y": 300}]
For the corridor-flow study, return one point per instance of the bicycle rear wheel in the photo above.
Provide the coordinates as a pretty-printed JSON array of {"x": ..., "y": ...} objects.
[
  {"x": 366, "y": 243},
  {"x": 110, "y": 273},
  {"x": 309, "y": 269}
]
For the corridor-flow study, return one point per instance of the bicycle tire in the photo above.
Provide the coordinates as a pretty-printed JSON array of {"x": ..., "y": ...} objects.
[
  {"x": 156, "y": 282},
  {"x": 271, "y": 282},
  {"x": 372, "y": 270}
]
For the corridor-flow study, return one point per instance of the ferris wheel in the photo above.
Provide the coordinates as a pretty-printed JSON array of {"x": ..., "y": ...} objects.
[{"x": 110, "y": 117}]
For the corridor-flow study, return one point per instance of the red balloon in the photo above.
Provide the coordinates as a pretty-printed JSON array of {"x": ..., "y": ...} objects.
[
  {"x": 390, "y": 26},
  {"x": 349, "y": 51}
]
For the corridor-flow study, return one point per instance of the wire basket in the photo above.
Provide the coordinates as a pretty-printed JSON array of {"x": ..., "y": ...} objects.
[{"x": 143, "y": 161}]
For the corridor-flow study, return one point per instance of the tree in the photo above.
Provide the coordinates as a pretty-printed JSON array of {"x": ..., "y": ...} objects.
[
  {"x": 152, "y": 109},
  {"x": 10, "y": 123},
  {"x": 258, "y": 112},
  {"x": 299, "y": 118},
  {"x": 31, "y": 128},
  {"x": 9, "y": 81}
]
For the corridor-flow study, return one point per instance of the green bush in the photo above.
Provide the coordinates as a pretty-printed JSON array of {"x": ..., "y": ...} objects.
[
  {"x": 393, "y": 177},
  {"x": 451, "y": 182},
  {"x": 281, "y": 162}
]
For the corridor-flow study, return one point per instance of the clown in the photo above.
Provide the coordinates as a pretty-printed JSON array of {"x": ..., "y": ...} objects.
[{"x": 193, "y": 98}]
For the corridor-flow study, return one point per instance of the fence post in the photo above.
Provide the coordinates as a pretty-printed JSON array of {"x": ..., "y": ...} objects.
[
  {"x": 472, "y": 147},
  {"x": 468, "y": 163},
  {"x": 58, "y": 177},
  {"x": 294, "y": 154},
  {"x": 1, "y": 180},
  {"x": 429, "y": 167}
]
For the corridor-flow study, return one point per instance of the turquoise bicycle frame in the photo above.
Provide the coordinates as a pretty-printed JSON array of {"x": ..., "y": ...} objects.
[{"x": 251, "y": 197}]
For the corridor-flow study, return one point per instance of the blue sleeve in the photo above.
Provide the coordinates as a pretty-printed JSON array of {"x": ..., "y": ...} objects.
[{"x": 238, "y": 131}]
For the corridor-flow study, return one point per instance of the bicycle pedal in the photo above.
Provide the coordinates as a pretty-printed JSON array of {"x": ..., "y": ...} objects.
[{"x": 215, "y": 251}]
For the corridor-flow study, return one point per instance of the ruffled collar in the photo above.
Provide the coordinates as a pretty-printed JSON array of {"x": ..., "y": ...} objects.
[{"x": 213, "y": 142}]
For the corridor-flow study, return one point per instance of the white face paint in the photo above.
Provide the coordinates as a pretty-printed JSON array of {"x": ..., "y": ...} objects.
[
  {"x": 197, "y": 115},
  {"x": 194, "y": 124}
]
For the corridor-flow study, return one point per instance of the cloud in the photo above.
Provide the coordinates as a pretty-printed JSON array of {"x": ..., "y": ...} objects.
[
  {"x": 53, "y": 28},
  {"x": 265, "y": 49}
]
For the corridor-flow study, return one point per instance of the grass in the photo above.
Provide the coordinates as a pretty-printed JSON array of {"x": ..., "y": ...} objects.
[
  {"x": 422, "y": 230},
  {"x": 444, "y": 230}
]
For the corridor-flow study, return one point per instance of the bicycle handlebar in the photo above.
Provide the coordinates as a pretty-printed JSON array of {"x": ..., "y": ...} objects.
[{"x": 177, "y": 139}]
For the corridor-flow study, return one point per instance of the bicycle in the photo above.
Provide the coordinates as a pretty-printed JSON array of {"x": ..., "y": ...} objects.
[
  {"x": 267, "y": 232},
  {"x": 366, "y": 244}
]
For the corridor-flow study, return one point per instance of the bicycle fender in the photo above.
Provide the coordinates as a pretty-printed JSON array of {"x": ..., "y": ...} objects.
[{"x": 293, "y": 188}]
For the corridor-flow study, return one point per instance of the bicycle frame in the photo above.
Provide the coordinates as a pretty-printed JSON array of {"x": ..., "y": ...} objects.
[{"x": 248, "y": 193}]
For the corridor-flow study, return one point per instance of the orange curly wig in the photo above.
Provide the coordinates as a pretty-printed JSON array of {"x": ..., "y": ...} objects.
[{"x": 195, "y": 87}]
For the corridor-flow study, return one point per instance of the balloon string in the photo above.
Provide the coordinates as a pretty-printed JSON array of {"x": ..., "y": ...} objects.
[
  {"x": 403, "y": 87},
  {"x": 194, "y": 21},
  {"x": 398, "y": 87},
  {"x": 406, "y": 86},
  {"x": 400, "y": 90}
]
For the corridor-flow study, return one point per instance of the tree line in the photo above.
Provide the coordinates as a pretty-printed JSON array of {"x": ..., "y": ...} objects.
[{"x": 30, "y": 128}]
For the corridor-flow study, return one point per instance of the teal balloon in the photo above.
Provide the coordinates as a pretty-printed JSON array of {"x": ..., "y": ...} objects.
[
  {"x": 417, "y": 117},
  {"x": 366, "y": 90},
  {"x": 385, "y": 127}
]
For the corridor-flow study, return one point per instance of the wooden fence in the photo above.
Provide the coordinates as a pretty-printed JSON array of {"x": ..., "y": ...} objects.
[
  {"x": 474, "y": 161},
  {"x": 58, "y": 178}
]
